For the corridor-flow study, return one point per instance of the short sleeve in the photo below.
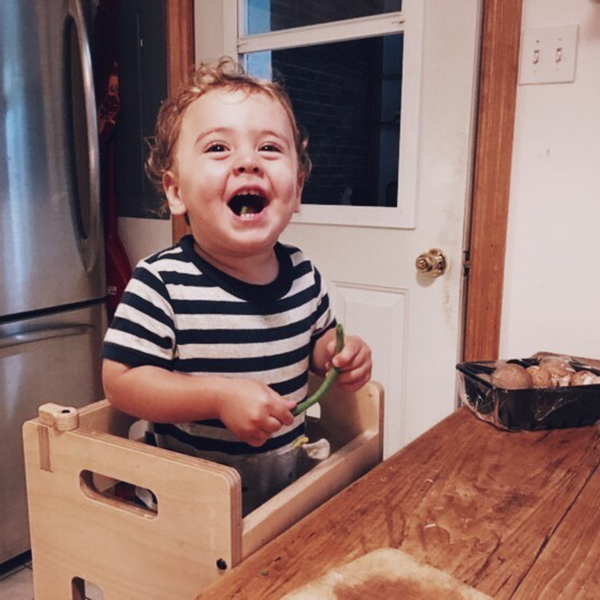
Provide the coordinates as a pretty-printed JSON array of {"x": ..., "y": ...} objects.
[{"x": 142, "y": 331}]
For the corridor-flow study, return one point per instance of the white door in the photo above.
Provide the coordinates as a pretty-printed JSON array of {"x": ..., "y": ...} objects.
[{"x": 367, "y": 253}]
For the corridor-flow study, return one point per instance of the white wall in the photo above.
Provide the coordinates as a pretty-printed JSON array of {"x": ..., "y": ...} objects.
[
  {"x": 552, "y": 275},
  {"x": 142, "y": 237}
]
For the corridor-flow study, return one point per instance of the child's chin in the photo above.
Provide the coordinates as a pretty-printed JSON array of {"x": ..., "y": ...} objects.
[{"x": 256, "y": 244}]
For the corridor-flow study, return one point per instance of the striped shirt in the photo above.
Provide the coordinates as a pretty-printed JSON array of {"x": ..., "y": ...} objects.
[{"x": 182, "y": 314}]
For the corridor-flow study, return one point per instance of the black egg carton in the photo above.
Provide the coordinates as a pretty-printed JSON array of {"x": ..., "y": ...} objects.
[{"x": 528, "y": 409}]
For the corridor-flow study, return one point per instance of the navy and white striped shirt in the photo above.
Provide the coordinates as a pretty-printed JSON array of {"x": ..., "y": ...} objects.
[{"x": 182, "y": 314}]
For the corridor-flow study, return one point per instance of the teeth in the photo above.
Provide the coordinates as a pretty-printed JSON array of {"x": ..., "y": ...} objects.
[
  {"x": 247, "y": 203},
  {"x": 246, "y": 213}
]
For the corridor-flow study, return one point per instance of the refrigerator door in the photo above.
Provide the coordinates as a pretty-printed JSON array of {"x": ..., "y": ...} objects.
[
  {"x": 55, "y": 358},
  {"x": 51, "y": 250}
]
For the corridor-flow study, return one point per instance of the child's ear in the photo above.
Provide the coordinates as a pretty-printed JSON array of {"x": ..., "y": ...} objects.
[{"x": 173, "y": 194}]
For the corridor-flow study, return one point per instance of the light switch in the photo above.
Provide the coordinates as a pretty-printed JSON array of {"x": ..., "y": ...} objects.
[{"x": 549, "y": 55}]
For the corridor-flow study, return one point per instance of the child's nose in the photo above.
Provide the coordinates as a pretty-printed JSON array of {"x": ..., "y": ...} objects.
[{"x": 247, "y": 162}]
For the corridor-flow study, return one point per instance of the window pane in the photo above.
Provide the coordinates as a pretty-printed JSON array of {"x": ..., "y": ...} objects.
[
  {"x": 346, "y": 95},
  {"x": 273, "y": 15}
]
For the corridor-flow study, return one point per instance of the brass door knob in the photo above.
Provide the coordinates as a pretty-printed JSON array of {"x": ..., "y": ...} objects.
[{"x": 432, "y": 263}]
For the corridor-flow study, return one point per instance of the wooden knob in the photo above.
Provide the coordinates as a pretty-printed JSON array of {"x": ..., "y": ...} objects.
[{"x": 62, "y": 418}]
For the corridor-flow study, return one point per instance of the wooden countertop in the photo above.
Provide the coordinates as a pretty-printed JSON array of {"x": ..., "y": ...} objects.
[{"x": 514, "y": 515}]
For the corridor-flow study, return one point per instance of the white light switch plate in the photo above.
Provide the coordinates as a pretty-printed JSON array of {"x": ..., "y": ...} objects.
[{"x": 549, "y": 55}]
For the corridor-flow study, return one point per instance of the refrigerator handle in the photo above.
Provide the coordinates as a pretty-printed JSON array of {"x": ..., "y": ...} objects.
[
  {"x": 92, "y": 243},
  {"x": 38, "y": 335}
]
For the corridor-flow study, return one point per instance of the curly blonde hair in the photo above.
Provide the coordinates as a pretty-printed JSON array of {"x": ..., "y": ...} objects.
[{"x": 227, "y": 74}]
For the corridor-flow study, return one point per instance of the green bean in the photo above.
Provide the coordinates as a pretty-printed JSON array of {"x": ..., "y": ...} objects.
[{"x": 329, "y": 378}]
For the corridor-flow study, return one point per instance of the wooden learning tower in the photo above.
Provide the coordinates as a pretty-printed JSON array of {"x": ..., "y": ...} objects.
[{"x": 82, "y": 530}]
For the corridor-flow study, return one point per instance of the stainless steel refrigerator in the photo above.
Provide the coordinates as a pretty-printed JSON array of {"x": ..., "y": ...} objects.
[{"x": 52, "y": 282}]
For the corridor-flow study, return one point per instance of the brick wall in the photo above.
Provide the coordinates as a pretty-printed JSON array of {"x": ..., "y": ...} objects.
[{"x": 334, "y": 91}]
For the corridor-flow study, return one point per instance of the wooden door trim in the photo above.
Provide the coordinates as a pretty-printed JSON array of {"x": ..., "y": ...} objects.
[
  {"x": 180, "y": 60},
  {"x": 486, "y": 244},
  {"x": 486, "y": 247}
]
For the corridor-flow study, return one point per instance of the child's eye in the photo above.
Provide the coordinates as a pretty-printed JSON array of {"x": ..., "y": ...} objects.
[
  {"x": 270, "y": 148},
  {"x": 216, "y": 147}
]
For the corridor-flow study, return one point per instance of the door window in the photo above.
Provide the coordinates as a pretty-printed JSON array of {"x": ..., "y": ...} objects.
[
  {"x": 352, "y": 72},
  {"x": 347, "y": 96}
]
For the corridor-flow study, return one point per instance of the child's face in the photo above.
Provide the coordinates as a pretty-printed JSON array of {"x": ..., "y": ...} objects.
[{"x": 235, "y": 154}]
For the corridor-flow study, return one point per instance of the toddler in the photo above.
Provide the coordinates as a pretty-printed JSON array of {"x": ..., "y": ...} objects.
[{"x": 214, "y": 338}]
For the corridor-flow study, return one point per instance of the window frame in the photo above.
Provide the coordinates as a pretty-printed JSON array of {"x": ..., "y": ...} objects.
[{"x": 409, "y": 21}]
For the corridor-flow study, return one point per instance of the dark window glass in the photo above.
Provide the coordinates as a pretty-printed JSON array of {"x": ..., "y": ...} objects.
[
  {"x": 142, "y": 55},
  {"x": 263, "y": 16},
  {"x": 346, "y": 95}
]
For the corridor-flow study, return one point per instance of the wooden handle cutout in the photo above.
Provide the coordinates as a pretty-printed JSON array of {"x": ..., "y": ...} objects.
[{"x": 121, "y": 495}]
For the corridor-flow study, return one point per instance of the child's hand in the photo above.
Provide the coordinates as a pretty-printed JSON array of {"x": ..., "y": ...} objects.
[
  {"x": 254, "y": 412},
  {"x": 353, "y": 363}
]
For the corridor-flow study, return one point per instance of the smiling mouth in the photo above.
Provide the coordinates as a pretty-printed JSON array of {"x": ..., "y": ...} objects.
[{"x": 246, "y": 205}]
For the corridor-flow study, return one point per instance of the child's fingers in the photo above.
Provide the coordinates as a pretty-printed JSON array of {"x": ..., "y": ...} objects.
[
  {"x": 270, "y": 425},
  {"x": 353, "y": 353},
  {"x": 263, "y": 431},
  {"x": 331, "y": 350},
  {"x": 281, "y": 412},
  {"x": 257, "y": 440},
  {"x": 355, "y": 378}
]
